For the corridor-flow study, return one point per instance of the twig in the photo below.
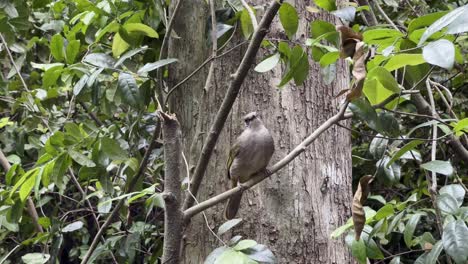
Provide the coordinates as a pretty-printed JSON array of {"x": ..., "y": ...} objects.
[
  {"x": 370, "y": 16},
  {"x": 188, "y": 213},
  {"x": 131, "y": 185},
  {"x": 199, "y": 68},
  {"x": 214, "y": 47},
  {"x": 163, "y": 53},
  {"x": 13, "y": 62},
  {"x": 230, "y": 97},
  {"x": 30, "y": 207},
  {"x": 173, "y": 216},
  {"x": 382, "y": 12}
]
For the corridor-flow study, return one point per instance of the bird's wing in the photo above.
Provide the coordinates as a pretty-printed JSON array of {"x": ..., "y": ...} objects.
[{"x": 235, "y": 149}]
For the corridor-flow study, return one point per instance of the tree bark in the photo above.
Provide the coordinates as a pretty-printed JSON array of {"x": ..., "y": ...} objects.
[{"x": 295, "y": 211}]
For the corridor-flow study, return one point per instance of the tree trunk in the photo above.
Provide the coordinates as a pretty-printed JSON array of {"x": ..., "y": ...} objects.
[{"x": 294, "y": 211}]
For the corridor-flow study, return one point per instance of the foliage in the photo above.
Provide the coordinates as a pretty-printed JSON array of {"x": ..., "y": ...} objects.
[{"x": 77, "y": 119}]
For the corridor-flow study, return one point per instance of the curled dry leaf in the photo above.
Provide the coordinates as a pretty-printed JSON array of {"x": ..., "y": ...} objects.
[
  {"x": 349, "y": 39},
  {"x": 360, "y": 197}
]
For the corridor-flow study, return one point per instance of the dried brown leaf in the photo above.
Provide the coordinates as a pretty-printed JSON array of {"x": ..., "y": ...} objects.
[{"x": 360, "y": 197}]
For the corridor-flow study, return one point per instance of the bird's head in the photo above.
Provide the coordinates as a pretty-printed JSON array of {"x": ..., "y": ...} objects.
[{"x": 252, "y": 120}]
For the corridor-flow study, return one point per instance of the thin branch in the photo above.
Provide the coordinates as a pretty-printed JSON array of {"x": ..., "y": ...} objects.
[
  {"x": 199, "y": 68},
  {"x": 214, "y": 46},
  {"x": 229, "y": 99},
  {"x": 31, "y": 208},
  {"x": 434, "y": 135},
  {"x": 163, "y": 53},
  {"x": 188, "y": 213},
  {"x": 370, "y": 16},
  {"x": 251, "y": 14},
  {"x": 131, "y": 186},
  {"x": 382, "y": 12},
  {"x": 13, "y": 62},
  {"x": 173, "y": 216}
]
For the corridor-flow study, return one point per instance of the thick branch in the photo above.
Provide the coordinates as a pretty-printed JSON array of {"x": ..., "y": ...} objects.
[
  {"x": 228, "y": 101},
  {"x": 131, "y": 185},
  {"x": 188, "y": 213},
  {"x": 173, "y": 217}
]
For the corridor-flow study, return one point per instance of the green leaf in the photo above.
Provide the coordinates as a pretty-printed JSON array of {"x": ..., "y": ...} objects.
[
  {"x": 434, "y": 254},
  {"x": 364, "y": 111},
  {"x": 128, "y": 87},
  {"x": 381, "y": 35},
  {"x": 289, "y": 19},
  {"x": 155, "y": 65},
  {"x": 454, "y": 190},
  {"x": 119, "y": 45},
  {"x": 56, "y": 47},
  {"x": 28, "y": 184},
  {"x": 231, "y": 256},
  {"x": 81, "y": 159},
  {"x": 440, "y": 53},
  {"x": 112, "y": 149},
  {"x": 246, "y": 24},
  {"x": 228, "y": 225},
  {"x": 320, "y": 29},
  {"x": 409, "y": 146},
  {"x": 268, "y": 63},
  {"x": 105, "y": 205},
  {"x": 424, "y": 21},
  {"x": 385, "y": 211},
  {"x": 51, "y": 76},
  {"x": 100, "y": 60},
  {"x": 358, "y": 249},
  {"x": 403, "y": 59},
  {"x": 72, "y": 50},
  {"x": 211, "y": 259},
  {"x": 459, "y": 128},
  {"x": 379, "y": 85},
  {"x": 443, "y": 22},
  {"x": 377, "y": 146},
  {"x": 328, "y": 5},
  {"x": 455, "y": 241},
  {"x": 409, "y": 229},
  {"x": 80, "y": 84},
  {"x": 141, "y": 29},
  {"x": 35, "y": 258},
  {"x": 245, "y": 244},
  {"x": 261, "y": 254},
  {"x": 72, "y": 227},
  {"x": 129, "y": 54},
  {"x": 298, "y": 67},
  {"x": 391, "y": 173},
  {"x": 447, "y": 203},
  {"x": 460, "y": 24},
  {"x": 439, "y": 166},
  {"x": 329, "y": 58}
]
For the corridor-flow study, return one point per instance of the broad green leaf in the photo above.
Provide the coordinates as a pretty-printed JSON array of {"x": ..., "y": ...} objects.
[
  {"x": 377, "y": 146},
  {"x": 358, "y": 249},
  {"x": 328, "y": 5},
  {"x": 105, "y": 205},
  {"x": 80, "y": 84},
  {"x": 231, "y": 256},
  {"x": 262, "y": 254},
  {"x": 141, "y": 29},
  {"x": 72, "y": 50},
  {"x": 443, "y": 22},
  {"x": 51, "y": 76},
  {"x": 455, "y": 241},
  {"x": 329, "y": 58},
  {"x": 435, "y": 252},
  {"x": 456, "y": 191},
  {"x": 409, "y": 146},
  {"x": 424, "y": 21},
  {"x": 400, "y": 60},
  {"x": 381, "y": 35},
  {"x": 119, "y": 45},
  {"x": 385, "y": 211},
  {"x": 439, "y": 166},
  {"x": 155, "y": 65},
  {"x": 447, "y": 203},
  {"x": 228, "y": 225},
  {"x": 440, "y": 53},
  {"x": 460, "y": 24},
  {"x": 320, "y": 29},
  {"x": 409, "y": 229},
  {"x": 111, "y": 27},
  {"x": 391, "y": 173},
  {"x": 100, "y": 60},
  {"x": 289, "y": 19},
  {"x": 298, "y": 67},
  {"x": 112, "y": 149},
  {"x": 35, "y": 258},
  {"x": 81, "y": 159},
  {"x": 268, "y": 63},
  {"x": 461, "y": 127},
  {"x": 129, "y": 90},
  {"x": 211, "y": 259},
  {"x": 56, "y": 47},
  {"x": 129, "y": 54},
  {"x": 246, "y": 24},
  {"x": 372, "y": 249},
  {"x": 389, "y": 124},
  {"x": 364, "y": 111},
  {"x": 72, "y": 227},
  {"x": 28, "y": 184},
  {"x": 347, "y": 13},
  {"x": 245, "y": 244},
  {"x": 379, "y": 85}
]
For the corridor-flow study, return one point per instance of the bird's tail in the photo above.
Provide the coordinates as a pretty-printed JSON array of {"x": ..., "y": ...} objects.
[{"x": 232, "y": 206}]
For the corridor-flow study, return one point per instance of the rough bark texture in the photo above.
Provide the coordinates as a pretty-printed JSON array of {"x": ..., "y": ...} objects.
[{"x": 295, "y": 211}]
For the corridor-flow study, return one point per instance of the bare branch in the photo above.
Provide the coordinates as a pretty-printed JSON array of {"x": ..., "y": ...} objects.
[
  {"x": 173, "y": 216},
  {"x": 131, "y": 186},
  {"x": 382, "y": 12},
  {"x": 229, "y": 99},
  {"x": 369, "y": 14},
  {"x": 188, "y": 213},
  {"x": 214, "y": 47},
  {"x": 13, "y": 62}
]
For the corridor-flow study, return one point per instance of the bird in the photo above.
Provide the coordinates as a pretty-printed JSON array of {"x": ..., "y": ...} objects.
[{"x": 249, "y": 155}]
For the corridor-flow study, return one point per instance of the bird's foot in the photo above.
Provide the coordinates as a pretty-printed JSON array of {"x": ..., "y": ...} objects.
[
  {"x": 243, "y": 187},
  {"x": 267, "y": 172}
]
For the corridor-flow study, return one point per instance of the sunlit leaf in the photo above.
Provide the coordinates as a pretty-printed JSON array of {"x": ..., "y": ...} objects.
[
  {"x": 289, "y": 19},
  {"x": 440, "y": 53}
]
